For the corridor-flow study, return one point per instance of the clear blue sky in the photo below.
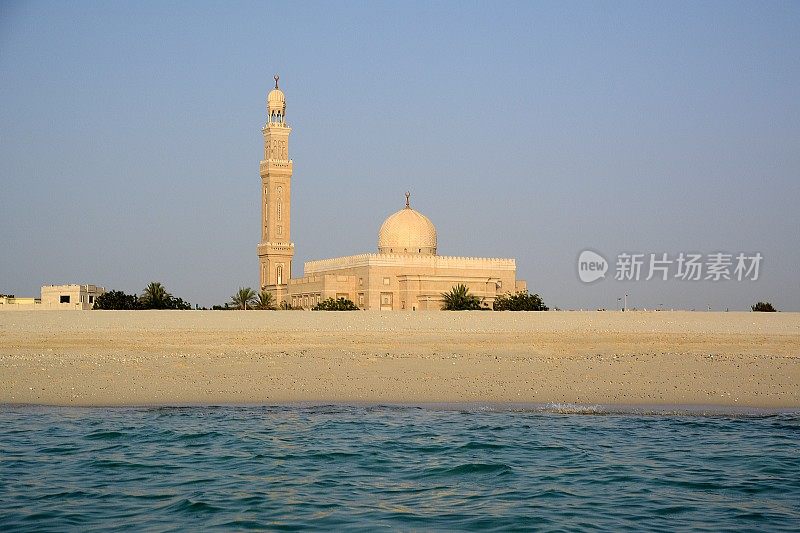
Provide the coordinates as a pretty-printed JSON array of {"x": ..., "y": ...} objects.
[{"x": 130, "y": 138}]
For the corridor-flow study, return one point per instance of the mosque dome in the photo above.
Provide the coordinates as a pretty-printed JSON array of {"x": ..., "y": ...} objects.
[{"x": 407, "y": 232}]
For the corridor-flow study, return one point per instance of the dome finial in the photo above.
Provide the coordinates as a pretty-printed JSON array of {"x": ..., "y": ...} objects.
[
  {"x": 408, "y": 204},
  {"x": 276, "y": 80}
]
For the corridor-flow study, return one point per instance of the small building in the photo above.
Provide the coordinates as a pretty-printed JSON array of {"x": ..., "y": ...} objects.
[
  {"x": 11, "y": 303},
  {"x": 81, "y": 297}
]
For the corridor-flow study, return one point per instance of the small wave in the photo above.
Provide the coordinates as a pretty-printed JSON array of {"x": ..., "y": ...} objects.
[
  {"x": 244, "y": 524},
  {"x": 105, "y": 435},
  {"x": 481, "y": 446},
  {"x": 187, "y": 505},
  {"x": 672, "y": 510},
  {"x": 63, "y": 495},
  {"x": 554, "y": 494},
  {"x": 59, "y": 450},
  {"x": 278, "y": 456},
  {"x": 328, "y": 456},
  {"x": 696, "y": 485},
  {"x": 497, "y": 469},
  {"x": 574, "y": 409},
  {"x": 197, "y": 436},
  {"x": 113, "y": 464},
  {"x": 428, "y": 448},
  {"x": 751, "y": 515}
]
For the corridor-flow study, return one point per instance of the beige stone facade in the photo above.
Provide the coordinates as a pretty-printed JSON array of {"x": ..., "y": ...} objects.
[
  {"x": 67, "y": 297},
  {"x": 405, "y": 274},
  {"x": 392, "y": 281}
]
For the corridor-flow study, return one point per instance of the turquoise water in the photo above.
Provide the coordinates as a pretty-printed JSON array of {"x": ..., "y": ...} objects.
[{"x": 404, "y": 468}]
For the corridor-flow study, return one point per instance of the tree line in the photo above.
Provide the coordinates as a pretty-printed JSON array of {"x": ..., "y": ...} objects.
[
  {"x": 156, "y": 296},
  {"x": 246, "y": 298}
]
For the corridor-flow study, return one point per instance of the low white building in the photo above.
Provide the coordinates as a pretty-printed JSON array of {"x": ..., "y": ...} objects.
[
  {"x": 11, "y": 303},
  {"x": 72, "y": 297}
]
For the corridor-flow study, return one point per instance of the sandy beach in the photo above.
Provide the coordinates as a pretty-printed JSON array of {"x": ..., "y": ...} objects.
[{"x": 109, "y": 358}]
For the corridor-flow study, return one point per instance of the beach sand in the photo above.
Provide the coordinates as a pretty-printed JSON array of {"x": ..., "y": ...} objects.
[{"x": 107, "y": 358}]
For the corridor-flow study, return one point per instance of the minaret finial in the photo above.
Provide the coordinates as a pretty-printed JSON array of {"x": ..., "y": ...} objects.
[
  {"x": 276, "y": 80},
  {"x": 408, "y": 203}
]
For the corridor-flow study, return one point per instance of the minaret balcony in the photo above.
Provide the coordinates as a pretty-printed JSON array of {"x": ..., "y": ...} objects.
[
  {"x": 283, "y": 164},
  {"x": 271, "y": 247}
]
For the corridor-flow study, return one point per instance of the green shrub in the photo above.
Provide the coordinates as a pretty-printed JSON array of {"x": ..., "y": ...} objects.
[
  {"x": 335, "y": 304},
  {"x": 519, "y": 301}
]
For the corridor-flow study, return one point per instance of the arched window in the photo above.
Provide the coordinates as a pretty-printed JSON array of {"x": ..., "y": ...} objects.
[{"x": 279, "y": 275}]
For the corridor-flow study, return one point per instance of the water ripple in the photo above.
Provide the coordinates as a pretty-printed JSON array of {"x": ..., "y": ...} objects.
[{"x": 334, "y": 467}]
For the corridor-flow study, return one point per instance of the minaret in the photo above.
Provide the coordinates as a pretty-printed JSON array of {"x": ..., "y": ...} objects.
[{"x": 276, "y": 248}]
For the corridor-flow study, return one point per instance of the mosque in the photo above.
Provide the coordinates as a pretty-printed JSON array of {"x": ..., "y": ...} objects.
[{"x": 405, "y": 274}]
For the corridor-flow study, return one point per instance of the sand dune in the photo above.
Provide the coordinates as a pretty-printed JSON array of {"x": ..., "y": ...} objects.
[{"x": 199, "y": 357}]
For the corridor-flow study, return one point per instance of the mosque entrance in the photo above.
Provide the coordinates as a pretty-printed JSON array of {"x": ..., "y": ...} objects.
[{"x": 386, "y": 301}]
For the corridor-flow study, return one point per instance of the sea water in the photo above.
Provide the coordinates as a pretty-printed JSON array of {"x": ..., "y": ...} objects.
[{"x": 392, "y": 467}]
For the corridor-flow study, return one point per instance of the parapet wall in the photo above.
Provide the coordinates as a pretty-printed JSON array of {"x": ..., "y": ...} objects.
[{"x": 408, "y": 260}]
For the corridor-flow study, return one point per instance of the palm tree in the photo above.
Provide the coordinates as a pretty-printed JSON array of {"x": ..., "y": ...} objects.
[
  {"x": 265, "y": 300},
  {"x": 459, "y": 299},
  {"x": 155, "y": 296},
  {"x": 244, "y": 296}
]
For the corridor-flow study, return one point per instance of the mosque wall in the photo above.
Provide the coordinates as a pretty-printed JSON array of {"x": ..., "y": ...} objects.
[{"x": 396, "y": 283}]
